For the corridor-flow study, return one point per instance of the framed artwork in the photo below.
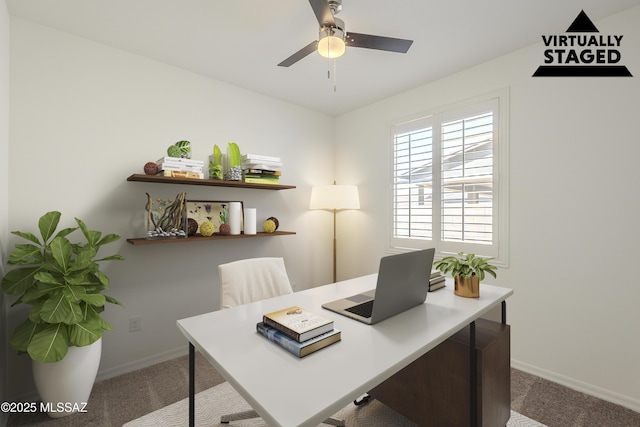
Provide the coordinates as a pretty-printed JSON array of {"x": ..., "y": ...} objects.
[{"x": 214, "y": 211}]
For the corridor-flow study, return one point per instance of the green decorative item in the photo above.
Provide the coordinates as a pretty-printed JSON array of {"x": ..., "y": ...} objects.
[
  {"x": 235, "y": 163},
  {"x": 215, "y": 164},
  {"x": 466, "y": 266},
  {"x": 63, "y": 284},
  {"x": 467, "y": 271},
  {"x": 174, "y": 151},
  {"x": 185, "y": 149}
]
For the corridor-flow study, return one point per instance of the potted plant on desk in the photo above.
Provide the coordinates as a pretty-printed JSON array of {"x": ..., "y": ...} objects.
[
  {"x": 467, "y": 272},
  {"x": 62, "y": 333}
]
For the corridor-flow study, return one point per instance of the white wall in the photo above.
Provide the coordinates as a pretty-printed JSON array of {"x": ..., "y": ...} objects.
[
  {"x": 84, "y": 117},
  {"x": 4, "y": 189},
  {"x": 574, "y": 205}
]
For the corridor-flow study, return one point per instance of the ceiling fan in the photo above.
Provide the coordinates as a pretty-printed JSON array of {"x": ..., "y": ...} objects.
[{"x": 333, "y": 39}]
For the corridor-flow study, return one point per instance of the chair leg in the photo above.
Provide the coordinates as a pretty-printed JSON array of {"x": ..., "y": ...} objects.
[{"x": 246, "y": 415}]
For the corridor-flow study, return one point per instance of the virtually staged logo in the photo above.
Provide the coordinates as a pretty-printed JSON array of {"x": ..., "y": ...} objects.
[{"x": 584, "y": 54}]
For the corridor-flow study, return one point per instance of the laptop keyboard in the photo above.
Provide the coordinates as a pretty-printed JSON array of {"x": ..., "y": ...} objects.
[{"x": 365, "y": 309}]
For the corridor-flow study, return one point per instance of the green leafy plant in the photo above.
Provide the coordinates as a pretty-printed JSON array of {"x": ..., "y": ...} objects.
[
  {"x": 466, "y": 266},
  {"x": 215, "y": 164},
  {"x": 235, "y": 159},
  {"x": 63, "y": 284}
]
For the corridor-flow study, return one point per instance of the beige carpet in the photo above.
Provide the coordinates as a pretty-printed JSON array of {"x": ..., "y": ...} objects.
[{"x": 223, "y": 399}]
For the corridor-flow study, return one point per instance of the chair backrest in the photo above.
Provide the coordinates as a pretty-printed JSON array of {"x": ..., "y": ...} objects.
[{"x": 254, "y": 279}]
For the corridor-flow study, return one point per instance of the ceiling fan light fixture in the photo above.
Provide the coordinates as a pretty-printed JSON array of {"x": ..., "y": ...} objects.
[{"x": 331, "y": 42}]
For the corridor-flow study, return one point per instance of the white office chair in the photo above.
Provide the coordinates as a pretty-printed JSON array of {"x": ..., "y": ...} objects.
[{"x": 249, "y": 280}]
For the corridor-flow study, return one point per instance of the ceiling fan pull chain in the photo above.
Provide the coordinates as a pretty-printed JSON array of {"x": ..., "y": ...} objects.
[{"x": 335, "y": 83}]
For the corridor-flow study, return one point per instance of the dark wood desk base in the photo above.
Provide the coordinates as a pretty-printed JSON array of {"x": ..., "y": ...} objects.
[{"x": 434, "y": 390}]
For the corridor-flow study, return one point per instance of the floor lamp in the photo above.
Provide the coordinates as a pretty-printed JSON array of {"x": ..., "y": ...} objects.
[{"x": 334, "y": 197}]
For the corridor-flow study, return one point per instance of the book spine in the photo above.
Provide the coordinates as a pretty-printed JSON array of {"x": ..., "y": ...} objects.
[
  {"x": 283, "y": 341},
  {"x": 288, "y": 332},
  {"x": 260, "y": 180}
]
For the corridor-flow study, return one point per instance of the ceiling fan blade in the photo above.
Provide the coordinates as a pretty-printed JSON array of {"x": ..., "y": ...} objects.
[
  {"x": 378, "y": 42},
  {"x": 311, "y": 47},
  {"x": 323, "y": 13}
]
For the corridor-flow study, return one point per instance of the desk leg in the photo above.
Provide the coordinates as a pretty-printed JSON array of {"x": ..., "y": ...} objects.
[
  {"x": 504, "y": 312},
  {"x": 473, "y": 395},
  {"x": 192, "y": 385}
]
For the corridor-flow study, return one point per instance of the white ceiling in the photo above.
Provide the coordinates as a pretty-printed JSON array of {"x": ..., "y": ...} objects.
[{"x": 241, "y": 41}]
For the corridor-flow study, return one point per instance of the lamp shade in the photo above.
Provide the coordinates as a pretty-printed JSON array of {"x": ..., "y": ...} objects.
[
  {"x": 331, "y": 47},
  {"x": 331, "y": 40},
  {"x": 334, "y": 197}
]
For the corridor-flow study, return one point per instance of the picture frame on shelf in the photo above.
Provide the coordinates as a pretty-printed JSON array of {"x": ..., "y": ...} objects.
[{"x": 201, "y": 211}]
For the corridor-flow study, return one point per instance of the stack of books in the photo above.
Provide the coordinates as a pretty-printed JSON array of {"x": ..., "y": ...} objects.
[
  {"x": 436, "y": 281},
  {"x": 179, "y": 167},
  {"x": 261, "y": 169},
  {"x": 298, "y": 331}
]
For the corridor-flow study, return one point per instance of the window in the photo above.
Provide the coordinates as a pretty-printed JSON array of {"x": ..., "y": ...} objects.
[{"x": 450, "y": 184}]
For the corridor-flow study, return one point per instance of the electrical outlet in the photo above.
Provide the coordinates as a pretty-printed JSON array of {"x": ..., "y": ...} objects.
[{"x": 135, "y": 324}]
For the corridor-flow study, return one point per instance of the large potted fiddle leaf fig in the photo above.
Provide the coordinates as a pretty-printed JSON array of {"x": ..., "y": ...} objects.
[{"x": 63, "y": 284}]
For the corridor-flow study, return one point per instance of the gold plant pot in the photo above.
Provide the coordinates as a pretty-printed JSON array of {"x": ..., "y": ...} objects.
[{"x": 468, "y": 288}]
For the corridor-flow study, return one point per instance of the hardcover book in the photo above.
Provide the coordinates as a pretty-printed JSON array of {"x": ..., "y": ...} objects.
[
  {"x": 298, "y": 323},
  {"x": 300, "y": 349}
]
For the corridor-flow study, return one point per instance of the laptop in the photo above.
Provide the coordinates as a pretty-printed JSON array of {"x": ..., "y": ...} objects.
[{"x": 403, "y": 283}]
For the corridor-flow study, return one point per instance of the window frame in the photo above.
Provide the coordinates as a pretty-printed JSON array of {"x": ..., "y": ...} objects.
[{"x": 499, "y": 248}]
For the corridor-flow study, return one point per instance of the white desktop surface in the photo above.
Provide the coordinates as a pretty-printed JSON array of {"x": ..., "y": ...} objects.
[{"x": 290, "y": 391}]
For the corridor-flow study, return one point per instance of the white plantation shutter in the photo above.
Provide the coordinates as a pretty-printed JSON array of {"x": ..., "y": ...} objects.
[
  {"x": 413, "y": 158},
  {"x": 445, "y": 190}
]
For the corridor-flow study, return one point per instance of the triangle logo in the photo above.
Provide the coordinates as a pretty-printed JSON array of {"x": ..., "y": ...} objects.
[
  {"x": 582, "y": 24},
  {"x": 582, "y": 52}
]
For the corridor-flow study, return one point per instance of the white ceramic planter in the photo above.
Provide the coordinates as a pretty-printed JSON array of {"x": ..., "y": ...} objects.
[{"x": 65, "y": 386}]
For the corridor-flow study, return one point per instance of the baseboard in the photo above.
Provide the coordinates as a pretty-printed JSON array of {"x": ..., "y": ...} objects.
[
  {"x": 580, "y": 386},
  {"x": 140, "y": 364}
]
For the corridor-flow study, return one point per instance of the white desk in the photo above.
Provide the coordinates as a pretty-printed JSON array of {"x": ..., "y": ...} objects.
[{"x": 288, "y": 391}]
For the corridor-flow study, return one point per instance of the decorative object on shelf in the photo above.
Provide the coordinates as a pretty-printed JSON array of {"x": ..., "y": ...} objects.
[
  {"x": 269, "y": 226},
  {"x": 225, "y": 228},
  {"x": 235, "y": 163},
  {"x": 207, "y": 229},
  {"x": 235, "y": 217},
  {"x": 150, "y": 168},
  {"x": 334, "y": 197},
  {"x": 250, "y": 221},
  {"x": 185, "y": 149},
  {"x": 467, "y": 272},
  {"x": 275, "y": 221},
  {"x": 165, "y": 218},
  {"x": 208, "y": 211},
  {"x": 63, "y": 284},
  {"x": 192, "y": 227},
  {"x": 174, "y": 151},
  {"x": 215, "y": 164}
]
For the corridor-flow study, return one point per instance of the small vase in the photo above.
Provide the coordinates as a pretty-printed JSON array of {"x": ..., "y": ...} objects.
[{"x": 468, "y": 288}]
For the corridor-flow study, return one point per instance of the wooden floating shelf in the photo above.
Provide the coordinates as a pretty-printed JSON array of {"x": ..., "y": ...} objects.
[
  {"x": 163, "y": 240},
  {"x": 206, "y": 182}
]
